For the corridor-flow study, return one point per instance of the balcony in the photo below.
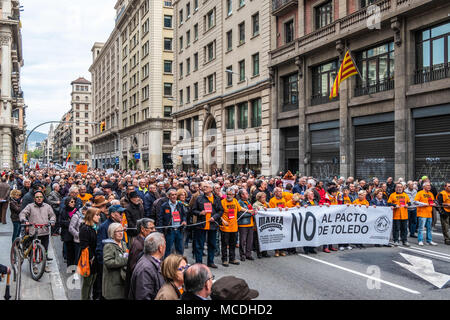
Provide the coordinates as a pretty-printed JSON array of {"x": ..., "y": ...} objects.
[
  {"x": 384, "y": 85},
  {"x": 321, "y": 99},
  {"x": 280, "y": 7},
  {"x": 428, "y": 74}
]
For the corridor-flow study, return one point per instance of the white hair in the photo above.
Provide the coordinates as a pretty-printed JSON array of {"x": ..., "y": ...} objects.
[
  {"x": 112, "y": 228},
  {"x": 312, "y": 182}
]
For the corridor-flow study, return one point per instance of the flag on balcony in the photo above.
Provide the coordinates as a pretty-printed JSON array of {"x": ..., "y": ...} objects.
[{"x": 347, "y": 69}]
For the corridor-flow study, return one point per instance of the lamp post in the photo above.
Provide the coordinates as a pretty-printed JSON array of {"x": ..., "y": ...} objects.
[
  {"x": 39, "y": 125},
  {"x": 229, "y": 71}
]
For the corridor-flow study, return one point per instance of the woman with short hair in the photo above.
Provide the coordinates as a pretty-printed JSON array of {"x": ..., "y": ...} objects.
[
  {"x": 172, "y": 269},
  {"x": 115, "y": 258}
]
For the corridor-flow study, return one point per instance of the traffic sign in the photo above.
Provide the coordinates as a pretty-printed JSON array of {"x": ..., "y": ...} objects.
[{"x": 137, "y": 156}]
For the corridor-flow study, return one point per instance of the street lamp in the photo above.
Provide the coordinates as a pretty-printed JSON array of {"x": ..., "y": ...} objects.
[
  {"x": 230, "y": 71},
  {"x": 39, "y": 125}
]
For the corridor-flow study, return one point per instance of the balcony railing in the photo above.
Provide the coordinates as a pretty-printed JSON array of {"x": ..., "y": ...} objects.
[
  {"x": 289, "y": 106},
  {"x": 436, "y": 72},
  {"x": 279, "y": 6},
  {"x": 321, "y": 99},
  {"x": 385, "y": 85},
  {"x": 167, "y": 3}
]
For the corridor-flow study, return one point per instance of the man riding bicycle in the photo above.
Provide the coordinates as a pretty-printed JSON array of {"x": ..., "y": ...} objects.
[{"x": 39, "y": 213}]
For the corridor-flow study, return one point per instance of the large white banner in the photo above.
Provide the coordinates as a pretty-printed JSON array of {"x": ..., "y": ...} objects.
[{"x": 315, "y": 226}]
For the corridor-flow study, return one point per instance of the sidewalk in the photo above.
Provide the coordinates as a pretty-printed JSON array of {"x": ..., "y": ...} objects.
[{"x": 49, "y": 287}]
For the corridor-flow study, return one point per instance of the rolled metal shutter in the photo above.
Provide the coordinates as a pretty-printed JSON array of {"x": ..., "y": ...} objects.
[
  {"x": 375, "y": 151},
  {"x": 325, "y": 153},
  {"x": 432, "y": 149}
]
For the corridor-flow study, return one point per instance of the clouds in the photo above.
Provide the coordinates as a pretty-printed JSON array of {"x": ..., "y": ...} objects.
[{"x": 57, "y": 37}]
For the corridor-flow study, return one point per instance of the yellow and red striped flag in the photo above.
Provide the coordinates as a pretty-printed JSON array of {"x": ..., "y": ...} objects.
[{"x": 346, "y": 70}]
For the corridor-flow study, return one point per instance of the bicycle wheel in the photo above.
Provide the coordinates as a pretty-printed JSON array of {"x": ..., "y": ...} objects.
[
  {"x": 15, "y": 257},
  {"x": 38, "y": 260}
]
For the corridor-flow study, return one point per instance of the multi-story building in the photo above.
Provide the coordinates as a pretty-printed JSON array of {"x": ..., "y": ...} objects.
[
  {"x": 222, "y": 116},
  {"x": 47, "y": 146},
  {"x": 12, "y": 107},
  {"x": 73, "y": 137},
  {"x": 133, "y": 87},
  {"x": 392, "y": 120}
]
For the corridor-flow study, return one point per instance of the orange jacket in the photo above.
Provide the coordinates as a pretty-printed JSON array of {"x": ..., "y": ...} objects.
[
  {"x": 275, "y": 203},
  {"x": 363, "y": 203},
  {"x": 230, "y": 210}
]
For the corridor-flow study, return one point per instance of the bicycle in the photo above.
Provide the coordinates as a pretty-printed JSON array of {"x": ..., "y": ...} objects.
[{"x": 29, "y": 247}]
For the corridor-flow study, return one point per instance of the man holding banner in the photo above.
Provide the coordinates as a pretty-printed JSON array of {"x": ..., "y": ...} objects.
[{"x": 400, "y": 201}]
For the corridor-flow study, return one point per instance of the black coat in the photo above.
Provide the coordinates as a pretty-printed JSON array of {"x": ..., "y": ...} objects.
[
  {"x": 134, "y": 213},
  {"x": 217, "y": 211},
  {"x": 164, "y": 217},
  {"x": 64, "y": 221},
  {"x": 88, "y": 239},
  {"x": 149, "y": 199}
]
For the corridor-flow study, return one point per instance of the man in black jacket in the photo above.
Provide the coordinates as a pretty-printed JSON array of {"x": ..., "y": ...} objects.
[
  {"x": 133, "y": 212},
  {"x": 208, "y": 209},
  {"x": 149, "y": 198}
]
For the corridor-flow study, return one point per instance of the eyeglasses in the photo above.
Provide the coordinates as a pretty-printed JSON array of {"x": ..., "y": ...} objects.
[
  {"x": 184, "y": 268},
  {"x": 211, "y": 278},
  {"x": 39, "y": 197},
  {"x": 118, "y": 231}
]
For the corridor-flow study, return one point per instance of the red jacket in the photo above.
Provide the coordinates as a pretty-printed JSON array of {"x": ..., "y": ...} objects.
[{"x": 322, "y": 193}]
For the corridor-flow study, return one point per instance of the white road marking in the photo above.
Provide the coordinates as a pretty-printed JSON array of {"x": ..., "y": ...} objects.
[
  {"x": 427, "y": 253},
  {"x": 424, "y": 268},
  {"x": 362, "y": 274},
  {"x": 437, "y": 252}
]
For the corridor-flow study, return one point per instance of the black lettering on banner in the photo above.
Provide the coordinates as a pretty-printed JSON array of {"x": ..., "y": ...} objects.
[
  {"x": 297, "y": 227},
  {"x": 311, "y": 236},
  {"x": 361, "y": 218},
  {"x": 364, "y": 229}
]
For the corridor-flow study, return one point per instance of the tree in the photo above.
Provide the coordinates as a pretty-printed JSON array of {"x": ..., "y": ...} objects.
[
  {"x": 36, "y": 154},
  {"x": 74, "y": 153}
]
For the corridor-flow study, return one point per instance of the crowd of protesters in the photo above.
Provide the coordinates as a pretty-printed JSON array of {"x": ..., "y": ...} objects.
[{"x": 135, "y": 226}]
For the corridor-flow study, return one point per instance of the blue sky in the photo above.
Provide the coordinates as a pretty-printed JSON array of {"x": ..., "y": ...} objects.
[{"x": 57, "y": 37}]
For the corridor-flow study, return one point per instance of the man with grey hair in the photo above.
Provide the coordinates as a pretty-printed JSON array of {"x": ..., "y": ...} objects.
[
  {"x": 144, "y": 226},
  {"x": 198, "y": 281},
  {"x": 146, "y": 279},
  {"x": 54, "y": 199},
  {"x": 412, "y": 212}
]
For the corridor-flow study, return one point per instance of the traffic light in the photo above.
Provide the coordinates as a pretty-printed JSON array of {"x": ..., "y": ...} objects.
[
  {"x": 102, "y": 126},
  {"x": 25, "y": 158}
]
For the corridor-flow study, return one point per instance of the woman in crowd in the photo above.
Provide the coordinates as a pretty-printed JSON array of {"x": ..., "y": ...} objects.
[
  {"x": 115, "y": 258},
  {"x": 66, "y": 236},
  {"x": 309, "y": 201},
  {"x": 74, "y": 229},
  {"x": 260, "y": 204},
  {"x": 361, "y": 201},
  {"x": 172, "y": 269},
  {"x": 296, "y": 201},
  {"x": 88, "y": 239},
  {"x": 14, "y": 207}
]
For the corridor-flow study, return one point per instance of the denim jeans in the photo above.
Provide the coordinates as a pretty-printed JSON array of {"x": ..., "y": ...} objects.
[
  {"x": 427, "y": 223},
  {"x": 412, "y": 217},
  {"x": 199, "y": 239},
  {"x": 16, "y": 230},
  {"x": 174, "y": 237}
]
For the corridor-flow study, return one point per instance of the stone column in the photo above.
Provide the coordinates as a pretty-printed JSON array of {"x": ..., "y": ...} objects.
[
  {"x": 5, "y": 108},
  {"x": 302, "y": 126},
  {"x": 275, "y": 142},
  {"x": 155, "y": 147},
  {"x": 400, "y": 111}
]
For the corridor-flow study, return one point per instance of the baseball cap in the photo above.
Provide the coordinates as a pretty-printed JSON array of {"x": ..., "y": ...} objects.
[
  {"x": 232, "y": 288},
  {"x": 116, "y": 208}
]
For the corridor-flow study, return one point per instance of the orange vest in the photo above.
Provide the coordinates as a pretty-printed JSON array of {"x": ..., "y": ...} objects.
[
  {"x": 287, "y": 196},
  {"x": 400, "y": 200},
  {"x": 347, "y": 200},
  {"x": 363, "y": 203},
  {"x": 445, "y": 199},
  {"x": 124, "y": 223},
  {"x": 292, "y": 204},
  {"x": 275, "y": 203},
  {"x": 427, "y": 198}
]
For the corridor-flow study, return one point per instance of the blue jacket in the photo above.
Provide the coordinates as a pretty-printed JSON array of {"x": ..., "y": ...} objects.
[
  {"x": 102, "y": 234},
  {"x": 141, "y": 193},
  {"x": 376, "y": 202},
  {"x": 164, "y": 216},
  {"x": 149, "y": 198},
  {"x": 299, "y": 189}
]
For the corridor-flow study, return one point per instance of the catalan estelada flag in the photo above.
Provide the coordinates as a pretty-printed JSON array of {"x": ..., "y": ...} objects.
[{"x": 346, "y": 70}]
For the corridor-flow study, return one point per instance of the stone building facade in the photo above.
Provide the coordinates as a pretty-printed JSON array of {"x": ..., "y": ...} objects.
[
  {"x": 390, "y": 121},
  {"x": 132, "y": 93},
  {"x": 222, "y": 115},
  {"x": 12, "y": 106}
]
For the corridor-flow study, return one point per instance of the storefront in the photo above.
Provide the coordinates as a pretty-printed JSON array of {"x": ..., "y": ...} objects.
[
  {"x": 374, "y": 146},
  {"x": 432, "y": 144},
  {"x": 324, "y": 139},
  {"x": 244, "y": 157}
]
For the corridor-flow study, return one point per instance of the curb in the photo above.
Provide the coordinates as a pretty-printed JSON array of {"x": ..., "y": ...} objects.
[{"x": 58, "y": 291}]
